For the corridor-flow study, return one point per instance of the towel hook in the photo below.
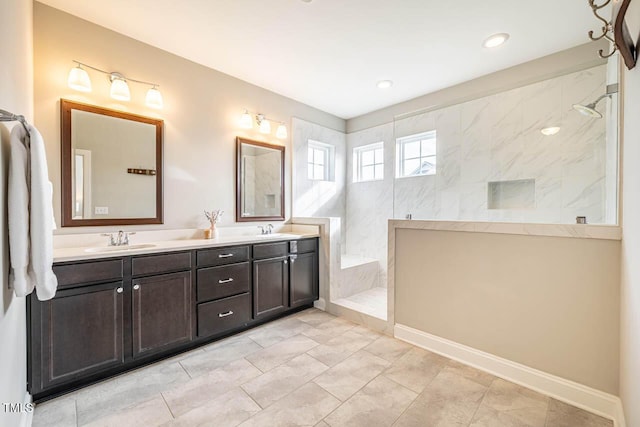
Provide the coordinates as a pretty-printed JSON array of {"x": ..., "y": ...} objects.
[{"x": 6, "y": 116}]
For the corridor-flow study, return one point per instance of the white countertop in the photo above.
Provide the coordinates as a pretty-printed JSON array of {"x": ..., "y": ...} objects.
[{"x": 87, "y": 246}]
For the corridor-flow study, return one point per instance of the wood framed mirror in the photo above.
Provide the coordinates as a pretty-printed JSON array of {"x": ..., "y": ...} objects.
[
  {"x": 111, "y": 167},
  {"x": 259, "y": 181}
]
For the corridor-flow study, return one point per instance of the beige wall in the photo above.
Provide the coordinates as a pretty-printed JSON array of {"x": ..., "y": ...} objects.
[
  {"x": 630, "y": 288},
  {"x": 201, "y": 112},
  {"x": 550, "y": 303},
  {"x": 16, "y": 95},
  {"x": 567, "y": 61}
]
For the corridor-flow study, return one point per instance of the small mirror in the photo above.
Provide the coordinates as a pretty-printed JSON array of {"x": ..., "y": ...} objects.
[
  {"x": 259, "y": 181},
  {"x": 111, "y": 167}
]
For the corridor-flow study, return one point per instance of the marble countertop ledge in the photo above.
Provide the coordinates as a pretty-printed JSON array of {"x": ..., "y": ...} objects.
[
  {"x": 579, "y": 231},
  {"x": 73, "y": 247}
]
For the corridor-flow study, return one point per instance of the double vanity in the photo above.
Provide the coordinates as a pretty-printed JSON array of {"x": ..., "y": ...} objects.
[{"x": 121, "y": 307}]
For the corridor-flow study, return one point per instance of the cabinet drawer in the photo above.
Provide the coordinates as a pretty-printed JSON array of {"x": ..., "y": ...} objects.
[
  {"x": 221, "y": 256},
  {"x": 89, "y": 272},
  {"x": 270, "y": 250},
  {"x": 223, "y": 315},
  {"x": 302, "y": 246},
  {"x": 153, "y": 264},
  {"x": 220, "y": 282}
]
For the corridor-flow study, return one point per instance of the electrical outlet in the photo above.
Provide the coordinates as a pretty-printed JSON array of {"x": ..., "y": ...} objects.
[{"x": 102, "y": 210}]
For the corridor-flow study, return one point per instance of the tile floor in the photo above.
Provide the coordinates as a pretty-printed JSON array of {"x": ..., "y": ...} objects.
[
  {"x": 309, "y": 369},
  {"x": 372, "y": 302}
]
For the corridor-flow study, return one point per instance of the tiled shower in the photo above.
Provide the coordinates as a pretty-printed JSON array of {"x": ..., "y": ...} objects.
[{"x": 493, "y": 164}]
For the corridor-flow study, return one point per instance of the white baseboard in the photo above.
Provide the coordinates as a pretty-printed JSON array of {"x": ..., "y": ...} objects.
[
  {"x": 26, "y": 419},
  {"x": 589, "y": 399},
  {"x": 320, "y": 304}
]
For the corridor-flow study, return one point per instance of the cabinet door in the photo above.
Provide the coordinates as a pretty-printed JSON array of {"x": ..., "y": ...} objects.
[
  {"x": 270, "y": 280},
  {"x": 81, "y": 332},
  {"x": 161, "y": 312},
  {"x": 303, "y": 279}
]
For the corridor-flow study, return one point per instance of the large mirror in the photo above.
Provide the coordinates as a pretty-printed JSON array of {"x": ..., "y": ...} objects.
[
  {"x": 111, "y": 167},
  {"x": 259, "y": 181}
]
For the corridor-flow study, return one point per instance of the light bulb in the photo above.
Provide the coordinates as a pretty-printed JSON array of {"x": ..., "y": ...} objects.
[
  {"x": 79, "y": 79},
  {"x": 245, "y": 120},
  {"x": 120, "y": 89},
  {"x": 154, "y": 98},
  {"x": 281, "y": 132}
]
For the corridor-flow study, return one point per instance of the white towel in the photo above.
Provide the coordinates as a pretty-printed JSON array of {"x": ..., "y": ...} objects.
[
  {"x": 18, "y": 215},
  {"x": 31, "y": 237}
]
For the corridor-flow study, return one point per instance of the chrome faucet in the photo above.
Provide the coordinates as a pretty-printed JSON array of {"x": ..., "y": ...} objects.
[
  {"x": 122, "y": 238},
  {"x": 266, "y": 229}
]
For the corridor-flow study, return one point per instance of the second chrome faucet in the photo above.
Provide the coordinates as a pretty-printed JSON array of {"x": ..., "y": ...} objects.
[{"x": 119, "y": 239}]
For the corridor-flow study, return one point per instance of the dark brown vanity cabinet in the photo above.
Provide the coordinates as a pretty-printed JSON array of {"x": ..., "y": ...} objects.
[
  {"x": 80, "y": 332},
  {"x": 114, "y": 314},
  {"x": 287, "y": 278},
  {"x": 223, "y": 290}
]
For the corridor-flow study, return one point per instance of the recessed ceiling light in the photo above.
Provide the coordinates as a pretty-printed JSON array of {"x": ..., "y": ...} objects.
[
  {"x": 552, "y": 130},
  {"x": 384, "y": 84},
  {"x": 495, "y": 40}
]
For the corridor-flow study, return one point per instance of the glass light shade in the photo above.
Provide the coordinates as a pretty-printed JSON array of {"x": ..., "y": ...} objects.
[
  {"x": 120, "y": 90},
  {"x": 154, "y": 98},
  {"x": 265, "y": 126},
  {"x": 281, "y": 132},
  {"x": 245, "y": 120},
  {"x": 79, "y": 79}
]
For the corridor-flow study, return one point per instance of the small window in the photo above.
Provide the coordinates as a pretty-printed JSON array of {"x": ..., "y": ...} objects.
[
  {"x": 368, "y": 162},
  {"x": 319, "y": 161},
  {"x": 416, "y": 155}
]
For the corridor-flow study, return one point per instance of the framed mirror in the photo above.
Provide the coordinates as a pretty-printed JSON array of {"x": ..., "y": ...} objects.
[
  {"x": 259, "y": 181},
  {"x": 111, "y": 167}
]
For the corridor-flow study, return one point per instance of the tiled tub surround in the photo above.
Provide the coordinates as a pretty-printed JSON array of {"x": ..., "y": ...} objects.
[
  {"x": 498, "y": 138},
  {"x": 309, "y": 369}
]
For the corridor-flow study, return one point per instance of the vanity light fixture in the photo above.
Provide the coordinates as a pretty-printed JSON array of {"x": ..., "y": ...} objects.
[
  {"x": 495, "y": 40},
  {"x": 79, "y": 80},
  {"x": 264, "y": 124},
  {"x": 281, "y": 132},
  {"x": 550, "y": 131}
]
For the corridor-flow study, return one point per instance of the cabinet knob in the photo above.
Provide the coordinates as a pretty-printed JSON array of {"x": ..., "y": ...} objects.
[
  {"x": 285, "y": 261},
  {"x": 119, "y": 290},
  {"x": 293, "y": 260},
  {"x": 136, "y": 287}
]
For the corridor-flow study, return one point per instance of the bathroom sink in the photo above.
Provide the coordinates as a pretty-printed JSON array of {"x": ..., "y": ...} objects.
[
  {"x": 121, "y": 248},
  {"x": 275, "y": 236}
]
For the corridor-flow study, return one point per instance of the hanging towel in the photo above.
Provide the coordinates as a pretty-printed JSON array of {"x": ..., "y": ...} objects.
[
  {"x": 18, "y": 214},
  {"x": 31, "y": 238}
]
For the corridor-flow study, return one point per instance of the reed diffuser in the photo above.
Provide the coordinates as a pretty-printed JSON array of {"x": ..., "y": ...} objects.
[{"x": 213, "y": 217}]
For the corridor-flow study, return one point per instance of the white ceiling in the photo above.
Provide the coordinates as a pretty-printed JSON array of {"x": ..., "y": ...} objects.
[{"x": 330, "y": 53}]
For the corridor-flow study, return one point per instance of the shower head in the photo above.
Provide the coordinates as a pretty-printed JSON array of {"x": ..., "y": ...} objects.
[{"x": 588, "y": 110}]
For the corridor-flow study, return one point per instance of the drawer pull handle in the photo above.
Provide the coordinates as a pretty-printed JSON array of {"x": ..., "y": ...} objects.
[
  {"x": 225, "y": 255},
  {"x": 228, "y": 313},
  {"x": 136, "y": 287},
  {"x": 229, "y": 280},
  {"x": 119, "y": 290}
]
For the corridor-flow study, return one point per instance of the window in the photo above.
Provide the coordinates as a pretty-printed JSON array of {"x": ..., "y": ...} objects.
[
  {"x": 416, "y": 155},
  {"x": 368, "y": 162},
  {"x": 319, "y": 161}
]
